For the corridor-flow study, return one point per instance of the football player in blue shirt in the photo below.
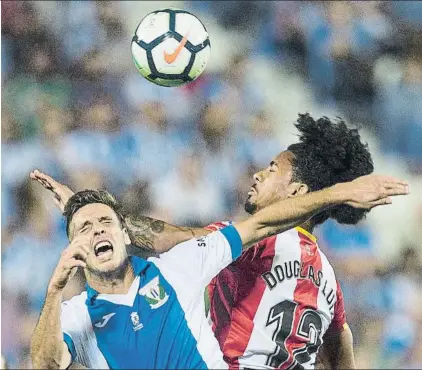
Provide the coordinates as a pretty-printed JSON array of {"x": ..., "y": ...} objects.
[{"x": 138, "y": 313}]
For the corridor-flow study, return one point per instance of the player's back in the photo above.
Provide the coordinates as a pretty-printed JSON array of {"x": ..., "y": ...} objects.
[{"x": 271, "y": 307}]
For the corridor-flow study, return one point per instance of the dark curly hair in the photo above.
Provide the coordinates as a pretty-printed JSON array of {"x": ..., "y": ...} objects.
[
  {"x": 330, "y": 152},
  {"x": 85, "y": 197}
]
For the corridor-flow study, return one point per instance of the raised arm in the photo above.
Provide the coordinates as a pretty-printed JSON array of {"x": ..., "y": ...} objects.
[
  {"x": 151, "y": 235},
  {"x": 48, "y": 348},
  {"x": 364, "y": 192}
]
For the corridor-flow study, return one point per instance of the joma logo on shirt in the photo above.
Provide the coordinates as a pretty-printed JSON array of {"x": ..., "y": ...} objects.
[
  {"x": 104, "y": 321},
  {"x": 154, "y": 293}
]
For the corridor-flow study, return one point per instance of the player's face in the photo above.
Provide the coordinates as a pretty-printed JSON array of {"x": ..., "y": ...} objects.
[
  {"x": 272, "y": 184},
  {"x": 106, "y": 238}
]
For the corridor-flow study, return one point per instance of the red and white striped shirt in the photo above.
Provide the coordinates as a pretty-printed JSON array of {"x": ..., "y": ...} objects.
[{"x": 272, "y": 306}]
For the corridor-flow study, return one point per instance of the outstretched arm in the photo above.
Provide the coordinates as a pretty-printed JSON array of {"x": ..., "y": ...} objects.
[
  {"x": 364, "y": 192},
  {"x": 199, "y": 260},
  {"x": 158, "y": 236},
  {"x": 149, "y": 234}
]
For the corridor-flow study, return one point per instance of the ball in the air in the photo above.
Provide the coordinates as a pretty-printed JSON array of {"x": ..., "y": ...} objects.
[{"x": 170, "y": 47}]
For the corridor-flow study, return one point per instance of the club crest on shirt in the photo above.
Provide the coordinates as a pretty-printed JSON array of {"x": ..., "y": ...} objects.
[
  {"x": 154, "y": 293},
  {"x": 309, "y": 250},
  {"x": 135, "y": 321}
]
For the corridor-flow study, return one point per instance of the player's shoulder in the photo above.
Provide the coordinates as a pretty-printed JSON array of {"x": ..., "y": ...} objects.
[
  {"x": 288, "y": 238},
  {"x": 74, "y": 314},
  {"x": 77, "y": 302}
]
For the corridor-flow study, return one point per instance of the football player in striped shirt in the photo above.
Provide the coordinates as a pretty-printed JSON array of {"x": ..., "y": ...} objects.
[
  {"x": 272, "y": 308},
  {"x": 280, "y": 301}
]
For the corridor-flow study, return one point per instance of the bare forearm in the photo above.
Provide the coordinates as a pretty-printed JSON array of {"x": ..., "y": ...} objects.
[
  {"x": 346, "y": 358},
  {"x": 288, "y": 213},
  {"x": 47, "y": 340},
  {"x": 156, "y": 235},
  {"x": 336, "y": 351}
]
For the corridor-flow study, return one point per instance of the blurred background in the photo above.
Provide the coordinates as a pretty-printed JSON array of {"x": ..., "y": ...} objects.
[{"x": 74, "y": 106}]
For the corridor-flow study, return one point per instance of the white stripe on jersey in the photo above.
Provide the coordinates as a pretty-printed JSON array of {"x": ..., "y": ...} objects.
[
  {"x": 261, "y": 338},
  {"x": 325, "y": 310},
  {"x": 323, "y": 307},
  {"x": 76, "y": 323}
]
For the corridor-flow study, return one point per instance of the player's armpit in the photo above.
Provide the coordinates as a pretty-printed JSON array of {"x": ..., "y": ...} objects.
[
  {"x": 337, "y": 350},
  {"x": 156, "y": 235}
]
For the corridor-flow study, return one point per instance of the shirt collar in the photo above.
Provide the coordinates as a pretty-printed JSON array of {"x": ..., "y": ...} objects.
[
  {"x": 306, "y": 233},
  {"x": 139, "y": 265}
]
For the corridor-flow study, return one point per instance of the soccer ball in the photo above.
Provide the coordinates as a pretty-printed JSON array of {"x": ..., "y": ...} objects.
[{"x": 170, "y": 47}]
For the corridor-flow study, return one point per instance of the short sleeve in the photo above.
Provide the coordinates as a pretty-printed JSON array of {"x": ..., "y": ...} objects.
[
  {"x": 79, "y": 335},
  {"x": 203, "y": 258},
  {"x": 339, "y": 319},
  {"x": 71, "y": 327}
]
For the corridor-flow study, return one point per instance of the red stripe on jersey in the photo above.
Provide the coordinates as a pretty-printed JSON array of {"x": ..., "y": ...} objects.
[
  {"x": 222, "y": 292},
  {"x": 217, "y": 225},
  {"x": 244, "y": 313},
  {"x": 305, "y": 294},
  {"x": 339, "y": 319}
]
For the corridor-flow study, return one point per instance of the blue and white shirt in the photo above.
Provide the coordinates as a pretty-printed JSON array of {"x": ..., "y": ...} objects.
[{"x": 160, "y": 323}]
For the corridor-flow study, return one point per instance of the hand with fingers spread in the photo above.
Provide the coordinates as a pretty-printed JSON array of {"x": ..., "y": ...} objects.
[
  {"x": 61, "y": 192},
  {"x": 72, "y": 257},
  {"x": 373, "y": 190}
]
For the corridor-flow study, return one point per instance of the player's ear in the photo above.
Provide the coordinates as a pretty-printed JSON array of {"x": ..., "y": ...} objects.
[
  {"x": 297, "y": 188},
  {"x": 126, "y": 237}
]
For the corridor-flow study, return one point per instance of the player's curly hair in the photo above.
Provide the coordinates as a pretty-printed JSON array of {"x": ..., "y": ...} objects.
[
  {"x": 330, "y": 152},
  {"x": 85, "y": 197}
]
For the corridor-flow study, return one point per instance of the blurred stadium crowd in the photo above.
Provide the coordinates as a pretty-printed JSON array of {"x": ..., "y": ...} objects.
[{"x": 74, "y": 106}]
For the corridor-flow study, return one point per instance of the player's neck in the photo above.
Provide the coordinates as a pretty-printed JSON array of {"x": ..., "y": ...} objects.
[
  {"x": 112, "y": 284},
  {"x": 308, "y": 226}
]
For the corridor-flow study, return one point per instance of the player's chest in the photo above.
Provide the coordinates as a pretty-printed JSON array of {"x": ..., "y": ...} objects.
[{"x": 136, "y": 320}]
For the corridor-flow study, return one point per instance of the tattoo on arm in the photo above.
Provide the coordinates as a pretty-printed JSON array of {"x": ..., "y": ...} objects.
[
  {"x": 158, "y": 236},
  {"x": 143, "y": 230}
]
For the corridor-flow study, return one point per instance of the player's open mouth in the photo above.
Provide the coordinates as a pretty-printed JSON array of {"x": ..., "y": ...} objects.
[
  {"x": 252, "y": 191},
  {"x": 103, "y": 248}
]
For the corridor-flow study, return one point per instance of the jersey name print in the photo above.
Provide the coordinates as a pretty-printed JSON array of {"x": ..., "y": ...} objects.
[{"x": 271, "y": 307}]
